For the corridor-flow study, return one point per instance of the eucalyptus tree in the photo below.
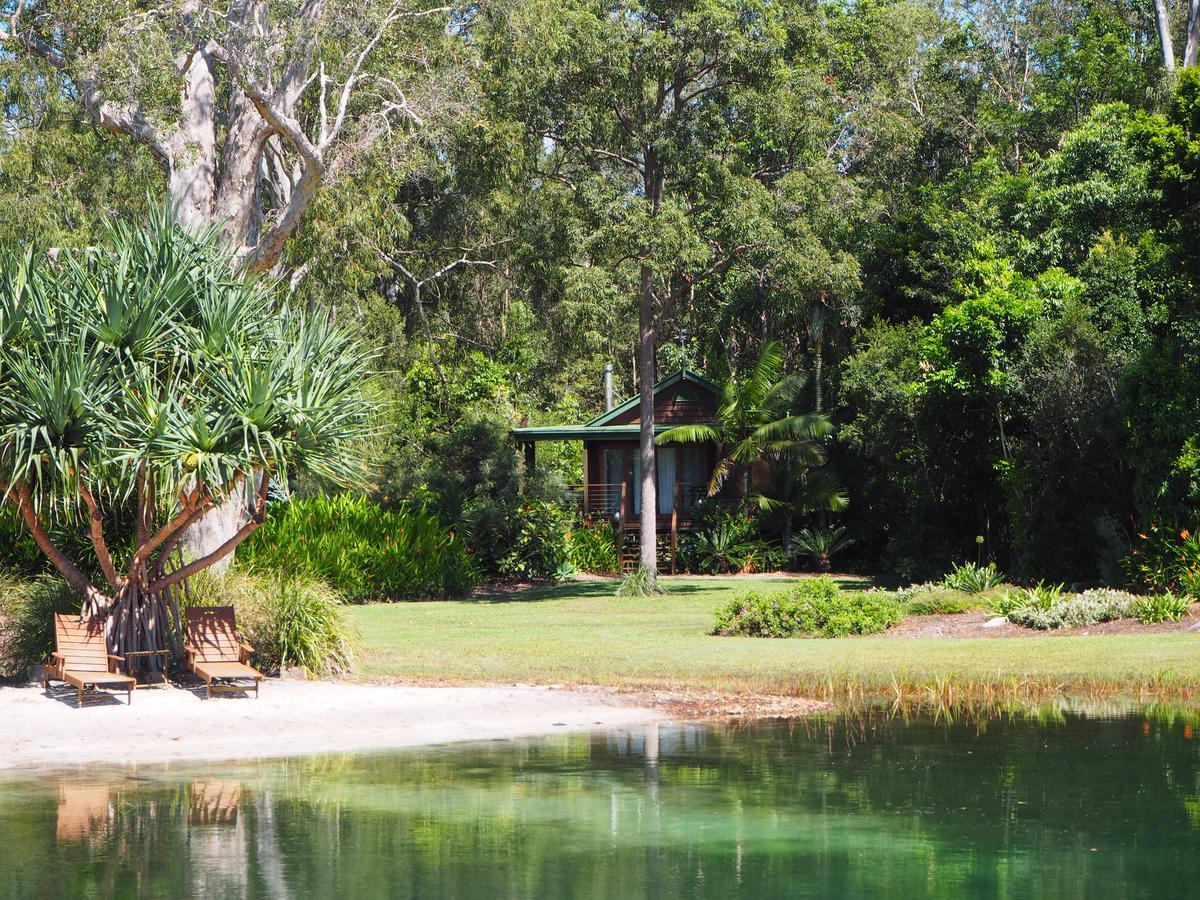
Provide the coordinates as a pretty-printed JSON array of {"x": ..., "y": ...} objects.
[
  {"x": 631, "y": 106},
  {"x": 145, "y": 374},
  {"x": 248, "y": 106}
]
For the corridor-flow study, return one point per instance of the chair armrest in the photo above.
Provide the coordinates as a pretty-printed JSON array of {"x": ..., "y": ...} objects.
[
  {"x": 114, "y": 663},
  {"x": 54, "y": 662},
  {"x": 246, "y": 652},
  {"x": 189, "y": 657}
]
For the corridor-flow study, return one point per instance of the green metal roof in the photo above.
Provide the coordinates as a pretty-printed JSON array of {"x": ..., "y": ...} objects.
[
  {"x": 582, "y": 432},
  {"x": 682, "y": 375}
]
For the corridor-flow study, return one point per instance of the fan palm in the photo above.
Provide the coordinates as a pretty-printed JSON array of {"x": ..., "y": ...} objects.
[
  {"x": 754, "y": 420},
  {"x": 149, "y": 374}
]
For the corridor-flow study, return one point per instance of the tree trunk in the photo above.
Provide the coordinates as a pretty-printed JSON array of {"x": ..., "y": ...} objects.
[
  {"x": 653, "y": 183},
  {"x": 1163, "y": 20},
  {"x": 1192, "y": 47},
  {"x": 649, "y": 486}
]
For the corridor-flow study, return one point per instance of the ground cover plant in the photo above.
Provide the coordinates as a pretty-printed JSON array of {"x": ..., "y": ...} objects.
[
  {"x": 814, "y": 607},
  {"x": 362, "y": 550}
]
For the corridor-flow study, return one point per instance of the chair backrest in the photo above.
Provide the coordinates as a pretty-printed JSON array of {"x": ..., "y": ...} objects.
[
  {"x": 213, "y": 632},
  {"x": 81, "y": 643}
]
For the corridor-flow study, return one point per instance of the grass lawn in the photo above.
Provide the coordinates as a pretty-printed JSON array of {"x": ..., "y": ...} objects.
[{"x": 581, "y": 633}]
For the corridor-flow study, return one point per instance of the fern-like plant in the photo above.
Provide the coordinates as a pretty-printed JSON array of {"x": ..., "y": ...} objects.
[{"x": 819, "y": 544}]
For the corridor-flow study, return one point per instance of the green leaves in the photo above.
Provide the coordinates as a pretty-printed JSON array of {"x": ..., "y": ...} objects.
[{"x": 151, "y": 350}]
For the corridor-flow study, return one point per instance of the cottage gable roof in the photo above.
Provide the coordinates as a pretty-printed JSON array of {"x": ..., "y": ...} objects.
[{"x": 683, "y": 376}]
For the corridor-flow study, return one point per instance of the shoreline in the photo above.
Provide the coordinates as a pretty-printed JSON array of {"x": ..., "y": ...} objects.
[{"x": 175, "y": 724}]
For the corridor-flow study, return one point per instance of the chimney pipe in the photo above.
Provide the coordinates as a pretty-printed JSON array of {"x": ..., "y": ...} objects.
[{"x": 608, "y": 387}]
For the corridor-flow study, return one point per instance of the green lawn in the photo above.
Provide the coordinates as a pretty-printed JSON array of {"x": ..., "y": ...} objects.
[{"x": 581, "y": 633}]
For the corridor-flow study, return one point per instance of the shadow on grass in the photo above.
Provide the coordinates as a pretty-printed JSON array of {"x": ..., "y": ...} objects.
[{"x": 682, "y": 585}]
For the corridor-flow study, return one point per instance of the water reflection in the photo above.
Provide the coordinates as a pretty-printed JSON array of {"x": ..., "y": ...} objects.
[{"x": 869, "y": 804}]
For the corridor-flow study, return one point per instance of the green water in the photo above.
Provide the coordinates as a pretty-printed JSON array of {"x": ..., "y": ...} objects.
[{"x": 867, "y": 806}]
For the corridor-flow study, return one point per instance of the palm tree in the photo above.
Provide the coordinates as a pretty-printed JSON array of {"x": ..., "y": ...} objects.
[
  {"x": 819, "y": 544},
  {"x": 147, "y": 375},
  {"x": 754, "y": 420}
]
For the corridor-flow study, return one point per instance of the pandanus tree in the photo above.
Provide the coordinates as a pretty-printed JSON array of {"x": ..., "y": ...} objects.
[
  {"x": 146, "y": 375},
  {"x": 755, "y": 420}
]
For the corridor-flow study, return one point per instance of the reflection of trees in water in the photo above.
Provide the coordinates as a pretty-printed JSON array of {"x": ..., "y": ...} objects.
[{"x": 858, "y": 804}]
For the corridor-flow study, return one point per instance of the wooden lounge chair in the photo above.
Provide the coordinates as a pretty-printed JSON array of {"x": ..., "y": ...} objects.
[
  {"x": 82, "y": 658},
  {"x": 214, "y": 652}
]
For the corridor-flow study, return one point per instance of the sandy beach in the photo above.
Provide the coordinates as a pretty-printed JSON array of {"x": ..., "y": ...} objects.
[{"x": 290, "y": 718}]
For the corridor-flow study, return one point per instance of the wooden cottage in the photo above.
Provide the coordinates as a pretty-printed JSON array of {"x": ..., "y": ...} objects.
[{"x": 612, "y": 464}]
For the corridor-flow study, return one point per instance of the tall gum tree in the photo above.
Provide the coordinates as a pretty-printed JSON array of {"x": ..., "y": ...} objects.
[{"x": 626, "y": 103}]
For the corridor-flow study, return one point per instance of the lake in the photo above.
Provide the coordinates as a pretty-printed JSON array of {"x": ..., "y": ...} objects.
[{"x": 1061, "y": 805}]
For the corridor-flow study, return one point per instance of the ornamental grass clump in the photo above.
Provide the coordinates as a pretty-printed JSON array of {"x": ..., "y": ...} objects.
[
  {"x": 815, "y": 607},
  {"x": 1159, "y": 608},
  {"x": 27, "y": 611},
  {"x": 291, "y": 621}
]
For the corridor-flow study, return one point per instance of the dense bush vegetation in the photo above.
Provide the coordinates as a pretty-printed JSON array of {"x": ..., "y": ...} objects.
[
  {"x": 815, "y": 607},
  {"x": 361, "y": 550},
  {"x": 1166, "y": 560},
  {"x": 592, "y": 547},
  {"x": 27, "y": 611}
]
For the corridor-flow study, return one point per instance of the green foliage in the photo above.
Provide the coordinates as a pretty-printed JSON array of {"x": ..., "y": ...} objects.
[
  {"x": 1088, "y": 608},
  {"x": 592, "y": 547},
  {"x": 973, "y": 579},
  {"x": 361, "y": 550},
  {"x": 820, "y": 544},
  {"x": 940, "y": 603},
  {"x": 1006, "y": 603},
  {"x": 637, "y": 584},
  {"x": 1160, "y": 608},
  {"x": 27, "y": 611},
  {"x": 729, "y": 541},
  {"x": 528, "y": 540},
  {"x": 1165, "y": 560},
  {"x": 815, "y": 607},
  {"x": 1042, "y": 596},
  {"x": 291, "y": 620}
]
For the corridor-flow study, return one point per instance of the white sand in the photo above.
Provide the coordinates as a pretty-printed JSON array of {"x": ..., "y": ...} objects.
[{"x": 289, "y": 718}]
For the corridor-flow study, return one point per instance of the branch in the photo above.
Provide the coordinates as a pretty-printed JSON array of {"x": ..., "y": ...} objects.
[
  {"x": 96, "y": 533},
  {"x": 69, "y": 570},
  {"x": 199, "y": 565},
  {"x": 126, "y": 119}
]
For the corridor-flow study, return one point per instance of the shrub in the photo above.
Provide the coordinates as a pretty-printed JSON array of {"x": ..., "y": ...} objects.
[
  {"x": 290, "y": 621},
  {"x": 730, "y": 542},
  {"x": 361, "y": 550},
  {"x": 814, "y": 607},
  {"x": 523, "y": 538},
  {"x": 592, "y": 547},
  {"x": 27, "y": 611},
  {"x": 1007, "y": 603},
  {"x": 972, "y": 579},
  {"x": 1160, "y": 608},
  {"x": 1088, "y": 608},
  {"x": 941, "y": 603},
  {"x": 1042, "y": 596},
  {"x": 1166, "y": 561}
]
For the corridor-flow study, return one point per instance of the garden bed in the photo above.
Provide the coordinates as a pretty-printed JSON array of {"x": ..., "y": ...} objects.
[{"x": 972, "y": 624}]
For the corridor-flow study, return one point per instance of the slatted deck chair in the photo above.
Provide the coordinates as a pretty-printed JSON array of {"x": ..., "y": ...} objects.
[
  {"x": 82, "y": 658},
  {"x": 215, "y": 653}
]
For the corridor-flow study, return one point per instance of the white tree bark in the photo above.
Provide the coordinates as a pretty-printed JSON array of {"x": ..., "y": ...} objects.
[
  {"x": 1163, "y": 20},
  {"x": 1192, "y": 47}
]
